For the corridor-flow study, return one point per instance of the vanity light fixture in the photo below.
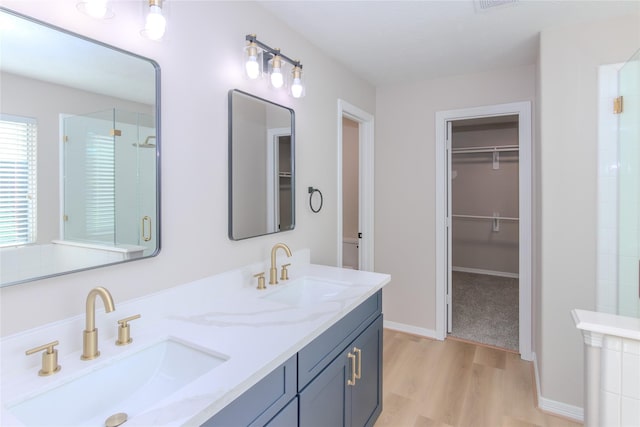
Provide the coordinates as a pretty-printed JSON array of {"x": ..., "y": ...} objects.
[
  {"x": 261, "y": 58},
  {"x": 98, "y": 9},
  {"x": 155, "y": 23}
]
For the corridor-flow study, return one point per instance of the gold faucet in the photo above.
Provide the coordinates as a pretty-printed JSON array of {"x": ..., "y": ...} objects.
[
  {"x": 273, "y": 272},
  {"x": 90, "y": 334}
]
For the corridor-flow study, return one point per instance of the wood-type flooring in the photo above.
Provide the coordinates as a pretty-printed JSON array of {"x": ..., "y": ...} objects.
[{"x": 452, "y": 383}]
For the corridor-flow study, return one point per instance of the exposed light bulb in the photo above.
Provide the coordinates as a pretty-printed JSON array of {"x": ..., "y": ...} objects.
[
  {"x": 252, "y": 67},
  {"x": 155, "y": 24},
  {"x": 96, "y": 8},
  {"x": 277, "y": 79},
  {"x": 296, "y": 86}
]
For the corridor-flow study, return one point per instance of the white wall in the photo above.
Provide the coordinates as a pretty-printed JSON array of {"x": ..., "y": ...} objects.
[
  {"x": 200, "y": 60},
  {"x": 479, "y": 189},
  {"x": 567, "y": 176},
  {"x": 405, "y": 180}
]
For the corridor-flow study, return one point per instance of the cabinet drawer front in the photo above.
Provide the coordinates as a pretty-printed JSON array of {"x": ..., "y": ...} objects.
[
  {"x": 318, "y": 354},
  {"x": 261, "y": 402}
]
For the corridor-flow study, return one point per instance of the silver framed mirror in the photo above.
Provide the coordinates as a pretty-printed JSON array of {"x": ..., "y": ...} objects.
[
  {"x": 79, "y": 152},
  {"x": 261, "y": 166}
]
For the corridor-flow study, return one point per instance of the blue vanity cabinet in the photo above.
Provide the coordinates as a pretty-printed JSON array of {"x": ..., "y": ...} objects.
[
  {"x": 288, "y": 417},
  {"x": 348, "y": 392},
  {"x": 316, "y": 355},
  {"x": 270, "y": 402}
]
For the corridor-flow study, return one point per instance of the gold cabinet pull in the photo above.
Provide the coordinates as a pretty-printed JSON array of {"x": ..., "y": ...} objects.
[
  {"x": 146, "y": 220},
  {"x": 352, "y": 380},
  {"x": 49, "y": 358},
  {"x": 124, "y": 331},
  {"x": 358, "y": 352}
]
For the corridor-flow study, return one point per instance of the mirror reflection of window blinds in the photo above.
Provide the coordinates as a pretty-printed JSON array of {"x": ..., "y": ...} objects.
[
  {"x": 18, "y": 173},
  {"x": 100, "y": 181}
]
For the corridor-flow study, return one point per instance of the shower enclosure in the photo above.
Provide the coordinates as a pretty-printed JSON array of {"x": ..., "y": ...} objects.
[
  {"x": 109, "y": 180},
  {"x": 629, "y": 189}
]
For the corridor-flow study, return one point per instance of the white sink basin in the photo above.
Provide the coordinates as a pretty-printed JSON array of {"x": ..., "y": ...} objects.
[
  {"x": 129, "y": 385},
  {"x": 307, "y": 291}
]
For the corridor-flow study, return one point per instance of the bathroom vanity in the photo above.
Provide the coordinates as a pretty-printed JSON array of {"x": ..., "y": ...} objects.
[
  {"x": 307, "y": 351},
  {"x": 335, "y": 380}
]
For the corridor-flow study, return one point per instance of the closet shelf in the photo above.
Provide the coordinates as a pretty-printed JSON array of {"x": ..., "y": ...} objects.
[
  {"x": 502, "y": 218},
  {"x": 486, "y": 149}
]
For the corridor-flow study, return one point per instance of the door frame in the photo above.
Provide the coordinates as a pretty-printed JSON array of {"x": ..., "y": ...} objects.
[
  {"x": 366, "y": 185},
  {"x": 443, "y": 221}
]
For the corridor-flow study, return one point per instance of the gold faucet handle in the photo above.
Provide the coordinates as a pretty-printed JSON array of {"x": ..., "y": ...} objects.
[
  {"x": 124, "y": 332},
  {"x": 284, "y": 275},
  {"x": 49, "y": 358},
  {"x": 261, "y": 280}
]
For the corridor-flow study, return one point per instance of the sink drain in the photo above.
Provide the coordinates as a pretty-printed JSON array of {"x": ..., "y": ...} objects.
[{"x": 116, "y": 419}]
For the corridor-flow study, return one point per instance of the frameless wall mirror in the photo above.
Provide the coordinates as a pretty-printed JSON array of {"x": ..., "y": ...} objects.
[
  {"x": 79, "y": 152},
  {"x": 261, "y": 166}
]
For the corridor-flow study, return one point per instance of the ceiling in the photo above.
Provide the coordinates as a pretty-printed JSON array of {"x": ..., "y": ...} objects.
[{"x": 388, "y": 42}]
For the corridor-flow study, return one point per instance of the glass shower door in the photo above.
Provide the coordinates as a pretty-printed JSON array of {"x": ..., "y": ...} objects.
[
  {"x": 136, "y": 181},
  {"x": 629, "y": 189},
  {"x": 89, "y": 178},
  {"x": 110, "y": 190}
]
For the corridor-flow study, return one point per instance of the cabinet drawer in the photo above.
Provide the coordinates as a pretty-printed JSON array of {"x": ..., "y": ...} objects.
[
  {"x": 313, "y": 358},
  {"x": 261, "y": 402}
]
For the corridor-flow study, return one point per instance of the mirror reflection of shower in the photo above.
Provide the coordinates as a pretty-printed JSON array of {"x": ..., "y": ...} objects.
[{"x": 109, "y": 180}]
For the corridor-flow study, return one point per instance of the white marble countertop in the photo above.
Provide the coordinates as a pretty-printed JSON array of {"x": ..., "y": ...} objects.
[{"x": 224, "y": 314}]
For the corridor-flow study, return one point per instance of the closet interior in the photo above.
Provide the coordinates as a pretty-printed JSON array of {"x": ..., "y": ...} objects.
[{"x": 485, "y": 230}]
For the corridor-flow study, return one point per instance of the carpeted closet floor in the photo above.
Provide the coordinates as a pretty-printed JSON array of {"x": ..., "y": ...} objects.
[{"x": 485, "y": 309}]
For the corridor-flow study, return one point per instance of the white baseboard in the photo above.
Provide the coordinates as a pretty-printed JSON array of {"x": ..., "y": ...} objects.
[
  {"x": 575, "y": 413},
  {"x": 414, "y": 330},
  {"x": 553, "y": 406},
  {"x": 487, "y": 272}
]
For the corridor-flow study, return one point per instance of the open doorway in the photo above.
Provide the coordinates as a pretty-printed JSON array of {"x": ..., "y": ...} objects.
[
  {"x": 355, "y": 188},
  {"x": 484, "y": 195},
  {"x": 495, "y": 220},
  {"x": 350, "y": 194}
]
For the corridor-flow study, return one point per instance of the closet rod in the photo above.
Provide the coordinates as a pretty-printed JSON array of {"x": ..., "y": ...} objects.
[
  {"x": 504, "y": 218},
  {"x": 486, "y": 149}
]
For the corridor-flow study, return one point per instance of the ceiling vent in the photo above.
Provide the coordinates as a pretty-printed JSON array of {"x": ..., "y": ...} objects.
[{"x": 488, "y": 5}]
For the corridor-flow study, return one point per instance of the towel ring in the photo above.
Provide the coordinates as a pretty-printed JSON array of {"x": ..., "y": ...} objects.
[{"x": 311, "y": 191}]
